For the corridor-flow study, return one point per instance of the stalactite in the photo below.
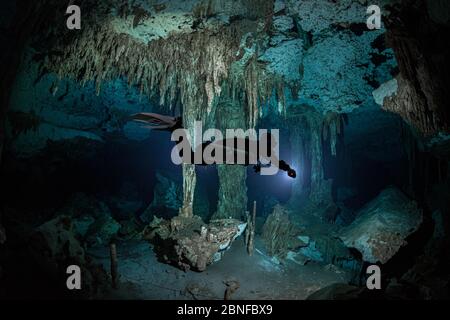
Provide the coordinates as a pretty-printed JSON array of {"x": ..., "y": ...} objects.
[
  {"x": 333, "y": 137},
  {"x": 320, "y": 202},
  {"x": 333, "y": 126},
  {"x": 308, "y": 132},
  {"x": 259, "y": 86},
  {"x": 316, "y": 155},
  {"x": 190, "y": 64},
  {"x": 298, "y": 149}
]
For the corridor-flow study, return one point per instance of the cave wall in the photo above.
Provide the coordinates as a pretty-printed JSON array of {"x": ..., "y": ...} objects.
[{"x": 416, "y": 30}]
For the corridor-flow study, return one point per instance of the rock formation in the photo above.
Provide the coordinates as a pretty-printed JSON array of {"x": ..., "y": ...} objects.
[
  {"x": 279, "y": 235},
  {"x": 416, "y": 38},
  {"x": 189, "y": 243},
  {"x": 382, "y": 226},
  {"x": 53, "y": 247}
]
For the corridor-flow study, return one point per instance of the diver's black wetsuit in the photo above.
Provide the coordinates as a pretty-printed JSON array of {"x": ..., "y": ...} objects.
[
  {"x": 167, "y": 123},
  {"x": 282, "y": 165}
]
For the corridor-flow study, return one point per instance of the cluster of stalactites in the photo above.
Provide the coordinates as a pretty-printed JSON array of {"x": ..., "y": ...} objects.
[
  {"x": 332, "y": 127},
  {"x": 189, "y": 66},
  {"x": 255, "y": 87}
]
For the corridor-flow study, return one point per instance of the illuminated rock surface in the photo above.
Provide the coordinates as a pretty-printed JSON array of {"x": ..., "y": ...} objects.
[
  {"x": 189, "y": 243},
  {"x": 382, "y": 226}
]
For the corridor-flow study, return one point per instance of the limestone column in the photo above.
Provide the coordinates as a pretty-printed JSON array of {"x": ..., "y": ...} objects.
[
  {"x": 189, "y": 175},
  {"x": 232, "y": 192},
  {"x": 189, "y": 181},
  {"x": 320, "y": 193},
  {"x": 232, "y": 202}
]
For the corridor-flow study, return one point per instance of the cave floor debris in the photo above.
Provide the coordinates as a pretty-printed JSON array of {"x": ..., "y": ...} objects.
[{"x": 143, "y": 277}]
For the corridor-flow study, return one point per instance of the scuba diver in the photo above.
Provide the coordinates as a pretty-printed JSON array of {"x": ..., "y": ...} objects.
[{"x": 156, "y": 121}]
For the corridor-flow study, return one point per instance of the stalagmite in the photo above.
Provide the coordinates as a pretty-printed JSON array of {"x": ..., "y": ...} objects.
[
  {"x": 190, "y": 113},
  {"x": 247, "y": 229},
  {"x": 189, "y": 182},
  {"x": 331, "y": 128},
  {"x": 114, "y": 272},
  {"x": 250, "y": 231}
]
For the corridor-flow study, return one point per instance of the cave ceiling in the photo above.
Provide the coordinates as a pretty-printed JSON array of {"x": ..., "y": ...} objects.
[{"x": 276, "y": 58}]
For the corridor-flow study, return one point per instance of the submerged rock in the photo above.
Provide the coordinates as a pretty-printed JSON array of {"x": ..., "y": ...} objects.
[
  {"x": 329, "y": 249},
  {"x": 91, "y": 219},
  {"x": 382, "y": 226},
  {"x": 387, "y": 89},
  {"x": 168, "y": 197},
  {"x": 188, "y": 243},
  {"x": 102, "y": 231},
  {"x": 82, "y": 224},
  {"x": 81, "y": 204},
  {"x": 297, "y": 258},
  {"x": 129, "y": 229},
  {"x": 279, "y": 234},
  {"x": 286, "y": 242},
  {"x": 126, "y": 203},
  {"x": 53, "y": 246}
]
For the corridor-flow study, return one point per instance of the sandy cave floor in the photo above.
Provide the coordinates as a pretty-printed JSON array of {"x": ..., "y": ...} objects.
[{"x": 143, "y": 277}]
